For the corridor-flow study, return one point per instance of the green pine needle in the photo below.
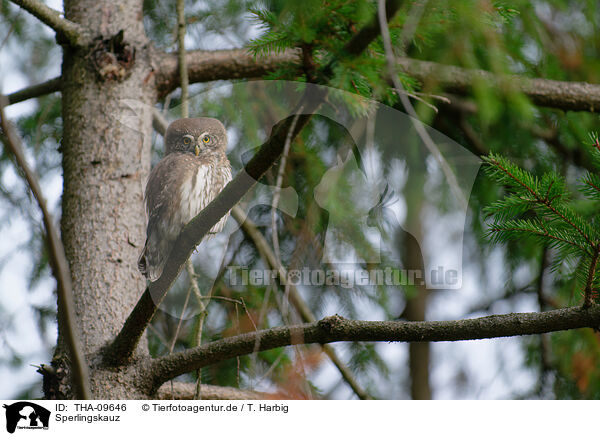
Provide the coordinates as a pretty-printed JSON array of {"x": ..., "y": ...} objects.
[{"x": 575, "y": 240}]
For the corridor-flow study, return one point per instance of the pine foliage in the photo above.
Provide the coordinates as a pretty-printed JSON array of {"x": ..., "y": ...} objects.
[{"x": 540, "y": 209}]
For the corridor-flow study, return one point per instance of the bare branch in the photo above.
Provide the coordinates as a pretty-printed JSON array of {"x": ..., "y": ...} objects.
[
  {"x": 60, "y": 266},
  {"x": 181, "y": 58},
  {"x": 185, "y": 391},
  {"x": 206, "y": 66},
  {"x": 66, "y": 30},
  {"x": 277, "y": 193},
  {"x": 336, "y": 328},
  {"x": 48, "y": 87},
  {"x": 574, "y": 96}
]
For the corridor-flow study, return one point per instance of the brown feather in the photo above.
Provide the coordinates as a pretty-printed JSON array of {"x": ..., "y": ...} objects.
[{"x": 179, "y": 187}]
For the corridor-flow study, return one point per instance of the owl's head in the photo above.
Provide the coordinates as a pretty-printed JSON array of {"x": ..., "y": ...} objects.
[{"x": 196, "y": 135}]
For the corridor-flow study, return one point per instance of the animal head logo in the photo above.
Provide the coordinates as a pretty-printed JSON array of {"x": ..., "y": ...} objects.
[{"x": 26, "y": 415}]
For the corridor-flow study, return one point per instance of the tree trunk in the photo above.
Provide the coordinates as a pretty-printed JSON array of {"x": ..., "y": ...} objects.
[{"x": 105, "y": 165}]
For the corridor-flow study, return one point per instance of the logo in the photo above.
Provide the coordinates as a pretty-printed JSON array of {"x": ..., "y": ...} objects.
[{"x": 26, "y": 415}]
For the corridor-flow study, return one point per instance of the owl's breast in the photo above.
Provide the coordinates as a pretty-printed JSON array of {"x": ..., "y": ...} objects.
[
  {"x": 195, "y": 192},
  {"x": 201, "y": 187}
]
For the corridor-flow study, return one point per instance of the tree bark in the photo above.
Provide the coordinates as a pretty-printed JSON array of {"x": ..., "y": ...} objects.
[{"x": 105, "y": 165}]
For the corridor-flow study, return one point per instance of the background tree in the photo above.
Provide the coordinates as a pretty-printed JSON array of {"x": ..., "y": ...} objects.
[{"x": 512, "y": 80}]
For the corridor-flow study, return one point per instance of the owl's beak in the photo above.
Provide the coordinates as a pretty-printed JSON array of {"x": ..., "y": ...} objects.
[{"x": 197, "y": 150}]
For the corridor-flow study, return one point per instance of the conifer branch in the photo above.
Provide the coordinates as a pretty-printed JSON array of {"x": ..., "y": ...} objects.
[
  {"x": 527, "y": 182},
  {"x": 525, "y": 226},
  {"x": 336, "y": 328},
  {"x": 34, "y": 91},
  {"x": 66, "y": 30},
  {"x": 559, "y": 225},
  {"x": 205, "y": 66}
]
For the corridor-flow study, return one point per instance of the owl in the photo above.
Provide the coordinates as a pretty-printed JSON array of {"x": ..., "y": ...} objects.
[{"x": 193, "y": 171}]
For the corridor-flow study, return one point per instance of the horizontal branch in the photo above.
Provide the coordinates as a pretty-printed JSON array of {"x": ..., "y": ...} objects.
[
  {"x": 186, "y": 391},
  {"x": 206, "y": 66},
  {"x": 34, "y": 91},
  {"x": 574, "y": 96},
  {"x": 233, "y": 64},
  {"x": 336, "y": 329},
  {"x": 66, "y": 30}
]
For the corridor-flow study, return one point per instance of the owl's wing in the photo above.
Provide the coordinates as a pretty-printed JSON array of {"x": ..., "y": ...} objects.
[{"x": 165, "y": 206}]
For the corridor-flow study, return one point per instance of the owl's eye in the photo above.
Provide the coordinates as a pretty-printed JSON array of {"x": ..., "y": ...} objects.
[
  {"x": 187, "y": 140},
  {"x": 206, "y": 139}
]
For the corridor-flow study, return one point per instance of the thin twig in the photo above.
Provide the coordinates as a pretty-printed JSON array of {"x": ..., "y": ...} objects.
[
  {"x": 180, "y": 322},
  {"x": 178, "y": 329},
  {"x": 181, "y": 56},
  {"x": 164, "y": 341},
  {"x": 220, "y": 297},
  {"x": 278, "y": 183},
  {"x": 410, "y": 26},
  {"x": 545, "y": 346},
  {"x": 588, "y": 290},
  {"x": 200, "y": 321},
  {"x": 431, "y": 146},
  {"x": 275, "y": 202},
  {"x": 60, "y": 265}
]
